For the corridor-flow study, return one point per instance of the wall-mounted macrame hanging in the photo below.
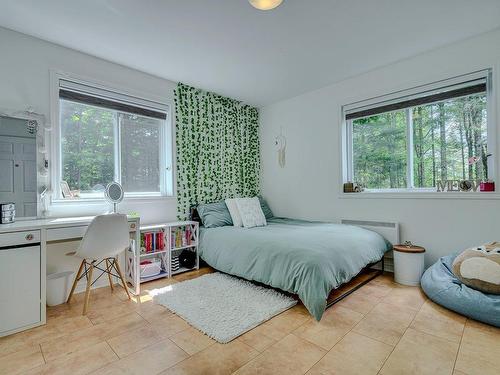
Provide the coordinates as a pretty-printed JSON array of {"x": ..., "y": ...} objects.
[{"x": 280, "y": 145}]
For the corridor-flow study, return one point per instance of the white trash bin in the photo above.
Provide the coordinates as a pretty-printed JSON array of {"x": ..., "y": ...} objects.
[
  {"x": 58, "y": 287},
  {"x": 408, "y": 264}
]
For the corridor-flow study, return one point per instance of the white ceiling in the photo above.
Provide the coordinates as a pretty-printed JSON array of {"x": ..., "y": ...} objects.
[{"x": 259, "y": 57}]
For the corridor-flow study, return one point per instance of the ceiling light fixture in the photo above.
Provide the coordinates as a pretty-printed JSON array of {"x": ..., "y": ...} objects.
[{"x": 265, "y": 4}]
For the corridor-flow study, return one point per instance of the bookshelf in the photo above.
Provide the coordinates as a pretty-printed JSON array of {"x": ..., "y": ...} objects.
[{"x": 159, "y": 252}]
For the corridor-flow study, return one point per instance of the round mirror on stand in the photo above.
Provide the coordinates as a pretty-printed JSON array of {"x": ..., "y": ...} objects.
[{"x": 114, "y": 194}]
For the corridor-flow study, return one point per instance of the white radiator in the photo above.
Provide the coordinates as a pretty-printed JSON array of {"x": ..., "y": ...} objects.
[{"x": 390, "y": 231}]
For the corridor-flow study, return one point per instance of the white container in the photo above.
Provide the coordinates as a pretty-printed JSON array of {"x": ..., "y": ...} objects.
[
  {"x": 58, "y": 287},
  {"x": 408, "y": 267},
  {"x": 151, "y": 269}
]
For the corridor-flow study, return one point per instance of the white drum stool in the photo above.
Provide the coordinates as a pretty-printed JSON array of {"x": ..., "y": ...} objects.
[{"x": 408, "y": 264}]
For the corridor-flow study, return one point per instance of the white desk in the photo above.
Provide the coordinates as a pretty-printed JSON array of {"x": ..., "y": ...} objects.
[{"x": 23, "y": 233}]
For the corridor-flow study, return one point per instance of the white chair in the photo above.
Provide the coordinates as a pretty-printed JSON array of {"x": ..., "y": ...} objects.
[{"x": 105, "y": 238}]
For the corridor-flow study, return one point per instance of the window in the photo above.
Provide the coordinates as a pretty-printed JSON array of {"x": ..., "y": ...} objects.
[
  {"x": 106, "y": 136},
  {"x": 413, "y": 139}
]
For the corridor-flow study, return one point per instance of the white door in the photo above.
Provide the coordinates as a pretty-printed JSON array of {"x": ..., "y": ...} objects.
[
  {"x": 18, "y": 174},
  {"x": 19, "y": 287}
]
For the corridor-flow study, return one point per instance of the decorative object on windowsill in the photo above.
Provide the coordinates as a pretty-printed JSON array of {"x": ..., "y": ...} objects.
[
  {"x": 65, "y": 190},
  {"x": 280, "y": 145},
  {"x": 465, "y": 186},
  {"x": 457, "y": 185},
  {"x": 114, "y": 194},
  {"x": 265, "y": 4},
  {"x": 352, "y": 187},
  {"x": 7, "y": 213},
  {"x": 487, "y": 186}
]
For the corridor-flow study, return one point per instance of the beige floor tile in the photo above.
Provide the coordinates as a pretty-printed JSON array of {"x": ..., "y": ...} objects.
[
  {"x": 385, "y": 279},
  {"x": 191, "y": 340},
  {"x": 419, "y": 353},
  {"x": 353, "y": 355},
  {"x": 480, "y": 350},
  {"x": 13, "y": 343},
  {"x": 457, "y": 372},
  {"x": 80, "y": 362},
  {"x": 284, "y": 323},
  {"x": 408, "y": 296},
  {"x": 151, "y": 360},
  {"x": 21, "y": 361},
  {"x": 291, "y": 355},
  {"x": 257, "y": 340},
  {"x": 438, "y": 321},
  {"x": 359, "y": 302},
  {"x": 169, "y": 325},
  {"x": 109, "y": 313},
  {"x": 220, "y": 359},
  {"x": 133, "y": 341},
  {"x": 54, "y": 328},
  {"x": 386, "y": 323},
  {"x": 334, "y": 324},
  {"x": 151, "y": 311},
  {"x": 90, "y": 336},
  {"x": 192, "y": 274},
  {"x": 377, "y": 290}
]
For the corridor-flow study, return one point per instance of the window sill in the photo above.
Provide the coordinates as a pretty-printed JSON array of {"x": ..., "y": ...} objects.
[
  {"x": 100, "y": 201},
  {"x": 421, "y": 195}
]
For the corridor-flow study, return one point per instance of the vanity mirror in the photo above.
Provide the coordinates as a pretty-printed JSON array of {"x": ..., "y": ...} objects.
[{"x": 22, "y": 166}]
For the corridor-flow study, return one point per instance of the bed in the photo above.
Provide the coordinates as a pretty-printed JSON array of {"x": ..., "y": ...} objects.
[{"x": 306, "y": 258}]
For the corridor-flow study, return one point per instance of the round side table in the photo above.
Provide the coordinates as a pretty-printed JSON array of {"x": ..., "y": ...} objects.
[{"x": 408, "y": 264}]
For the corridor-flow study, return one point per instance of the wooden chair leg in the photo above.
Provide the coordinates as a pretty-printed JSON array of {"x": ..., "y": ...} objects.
[
  {"x": 76, "y": 281},
  {"x": 87, "y": 291},
  {"x": 108, "y": 269},
  {"x": 117, "y": 267}
]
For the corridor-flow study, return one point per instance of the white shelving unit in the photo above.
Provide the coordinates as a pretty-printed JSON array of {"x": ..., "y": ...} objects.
[{"x": 175, "y": 238}]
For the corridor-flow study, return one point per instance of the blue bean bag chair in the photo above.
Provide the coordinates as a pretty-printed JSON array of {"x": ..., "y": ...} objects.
[{"x": 441, "y": 286}]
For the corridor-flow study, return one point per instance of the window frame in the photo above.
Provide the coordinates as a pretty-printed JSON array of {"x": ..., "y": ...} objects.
[
  {"x": 347, "y": 159},
  {"x": 166, "y": 167}
]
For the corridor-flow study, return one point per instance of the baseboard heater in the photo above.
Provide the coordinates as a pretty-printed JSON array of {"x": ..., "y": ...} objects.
[{"x": 390, "y": 231}]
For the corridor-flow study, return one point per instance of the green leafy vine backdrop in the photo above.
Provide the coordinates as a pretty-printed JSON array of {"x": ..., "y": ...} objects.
[{"x": 217, "y": 142}]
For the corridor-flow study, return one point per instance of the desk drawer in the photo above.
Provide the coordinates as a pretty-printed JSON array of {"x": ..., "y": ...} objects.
[
  {"x": 19, "y": 238},
  {"x": 56, "y": 234}
]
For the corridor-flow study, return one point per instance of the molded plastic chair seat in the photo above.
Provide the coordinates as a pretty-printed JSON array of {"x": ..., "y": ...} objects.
[{"x": 105, "y": 238}]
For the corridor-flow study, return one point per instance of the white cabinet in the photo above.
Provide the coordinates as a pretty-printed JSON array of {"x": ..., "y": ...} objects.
[{"x": 20, "y": 283}]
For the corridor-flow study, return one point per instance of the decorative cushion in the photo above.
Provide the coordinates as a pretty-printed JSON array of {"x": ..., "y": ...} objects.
[
  {"x": 251, "y": 212},
  {"x": 234, "y": 212},
  {"x": 214, "y": 215},
  {"x": 266, "y": 209},
  {"x": 479, "y": 268}
]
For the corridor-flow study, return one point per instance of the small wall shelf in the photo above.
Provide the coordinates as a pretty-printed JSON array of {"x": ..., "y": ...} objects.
[{"x": 163, "y": 244}]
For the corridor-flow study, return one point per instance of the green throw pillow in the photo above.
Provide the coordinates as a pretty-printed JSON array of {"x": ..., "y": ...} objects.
[
  {"x": 266, "y": 209},
  {"x": 214, "y": 215}
]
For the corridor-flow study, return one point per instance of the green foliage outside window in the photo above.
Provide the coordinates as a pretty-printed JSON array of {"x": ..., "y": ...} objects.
[{"x": 449, "y": 142}]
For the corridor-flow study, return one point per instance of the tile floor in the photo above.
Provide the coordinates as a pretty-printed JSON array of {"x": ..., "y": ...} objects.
[{"x": 383, "y": 328}]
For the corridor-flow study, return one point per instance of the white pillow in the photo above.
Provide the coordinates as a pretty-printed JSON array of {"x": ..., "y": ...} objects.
[
  {"x": 251, "y": 212},
  {"x": 234, "y": 212}
]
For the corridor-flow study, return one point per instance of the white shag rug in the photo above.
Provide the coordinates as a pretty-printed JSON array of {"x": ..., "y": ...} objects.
[{"x": 222, "y": 306}]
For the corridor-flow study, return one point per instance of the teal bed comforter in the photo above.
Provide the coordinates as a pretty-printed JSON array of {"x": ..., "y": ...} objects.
[{"x": 306, "y": 258}]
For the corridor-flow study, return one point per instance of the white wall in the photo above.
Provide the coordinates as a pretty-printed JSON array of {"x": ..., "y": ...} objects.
[
  {"x": 309, "y": 186},
  {"x": 25, "y": 63}
]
